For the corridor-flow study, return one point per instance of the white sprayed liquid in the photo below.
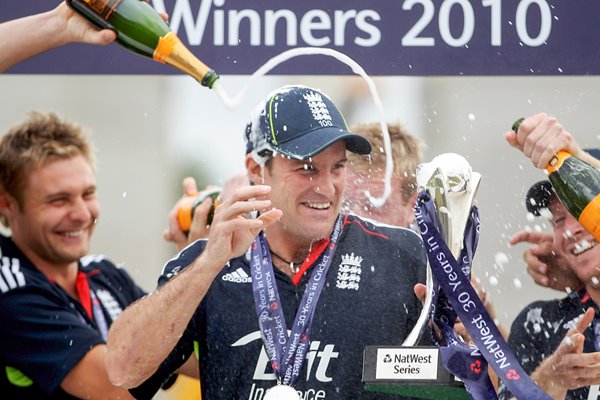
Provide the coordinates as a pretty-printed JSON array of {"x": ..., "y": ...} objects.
[{"x": 232, "y": 103}]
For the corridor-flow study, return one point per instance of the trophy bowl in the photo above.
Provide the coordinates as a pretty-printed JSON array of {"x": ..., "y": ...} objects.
[{"x": 452, "y": 185}]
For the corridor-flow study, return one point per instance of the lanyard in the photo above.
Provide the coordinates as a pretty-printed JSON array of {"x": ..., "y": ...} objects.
[
  {"x": 286, "y": 352},
  {"x": 466, "y": 303}
]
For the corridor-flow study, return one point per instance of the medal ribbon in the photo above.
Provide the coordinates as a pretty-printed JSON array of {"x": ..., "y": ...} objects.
[
  {"x": 461, "y": 359},
  {"x": 286, "y": 352},
  {"x": 463, "y": 299}
]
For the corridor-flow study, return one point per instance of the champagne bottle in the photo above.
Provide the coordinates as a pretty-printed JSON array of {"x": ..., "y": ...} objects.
[
  {"x": 185, "y": 212},
  {"x": 141, "y": 29},
  {"x": 577, "y": 185}
]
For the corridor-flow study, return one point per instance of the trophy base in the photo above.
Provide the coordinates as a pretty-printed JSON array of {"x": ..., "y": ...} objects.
[
  {"x": 452, "y": 391},
  {"x": 410, "y": 371}
]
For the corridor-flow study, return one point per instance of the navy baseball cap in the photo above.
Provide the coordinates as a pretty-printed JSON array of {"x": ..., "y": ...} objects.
[
  {"x": 540, "y": 193},
  {"x": 299, "y": 122}
]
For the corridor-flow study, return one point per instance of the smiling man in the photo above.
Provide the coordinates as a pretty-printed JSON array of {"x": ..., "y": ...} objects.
[
  {"x": 279, "y": 306},
  {"x": 551, "y": 339},
  {"x": 56, "y": 302}
]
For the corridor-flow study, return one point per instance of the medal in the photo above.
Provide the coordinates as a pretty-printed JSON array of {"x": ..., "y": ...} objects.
[{"x": 281, "y": 392}]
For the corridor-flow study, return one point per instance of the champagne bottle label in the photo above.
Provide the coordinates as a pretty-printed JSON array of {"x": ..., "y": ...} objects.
[
  {"x": 590, "y": 217},
  {"x": 103, "y": 8},
  {"x": 557, "y": 161}
]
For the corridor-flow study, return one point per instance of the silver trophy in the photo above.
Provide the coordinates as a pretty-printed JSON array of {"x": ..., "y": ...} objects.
[{"x": 452, "y": 185}]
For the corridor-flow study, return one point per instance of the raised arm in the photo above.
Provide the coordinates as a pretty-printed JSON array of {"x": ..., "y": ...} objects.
[
  {"x": 26, "y": 37},
  {"x": 138, "y": 340},
  {"x": 541, "y": 136}
]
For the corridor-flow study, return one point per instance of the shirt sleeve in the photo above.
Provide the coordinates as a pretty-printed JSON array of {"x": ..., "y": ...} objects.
[
  {"x": 181, "y": 261},
  {"x": 43, "y": 335}
]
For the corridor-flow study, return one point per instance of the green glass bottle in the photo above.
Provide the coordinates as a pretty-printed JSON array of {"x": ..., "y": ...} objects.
[
  {"x": 141, "y": 29},
  {"x": 577, "y": 185},
  {"x": 185, "y": 212}
]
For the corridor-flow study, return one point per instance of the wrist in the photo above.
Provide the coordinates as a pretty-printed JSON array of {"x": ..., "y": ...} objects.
[
  {"x": 55, "y": 24},
  {"x": 583, "y": 155},
  {"x": 208, "y": 264},
  {"x": 548, "y": 381}
]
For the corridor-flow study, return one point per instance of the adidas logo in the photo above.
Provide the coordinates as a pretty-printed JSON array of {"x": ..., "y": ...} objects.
[{"x": 237, "y": 276}]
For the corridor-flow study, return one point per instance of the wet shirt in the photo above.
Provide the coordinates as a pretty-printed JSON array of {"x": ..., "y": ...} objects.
[
  {"x": 44, "y": 332},
  {"x": 367, "y": 299},
  {"x": 538, "y": 330}
]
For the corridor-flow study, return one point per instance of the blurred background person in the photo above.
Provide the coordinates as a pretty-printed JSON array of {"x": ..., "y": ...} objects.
[{"x": 367, "y": 173}]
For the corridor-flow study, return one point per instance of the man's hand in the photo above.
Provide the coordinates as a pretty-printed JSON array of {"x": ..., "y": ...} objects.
[
  {"x": 198, "y": 229},
  {"x": 232, "y": 230},
  {"x": 546, "y": 267},
  {"x": 540, "y": 137},
  {"x": 568, "y": 367},
  {"x": 421, "y": 292},
  {"x": 77, "y": 29}
]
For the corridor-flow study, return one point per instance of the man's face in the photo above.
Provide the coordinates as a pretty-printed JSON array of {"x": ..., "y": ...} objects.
[
  {"x": 308, "y": 192},
  {"x": 60, "y": 207},
  {"x": 395, "y": 211},
  {"x": 576, "y": 244}
]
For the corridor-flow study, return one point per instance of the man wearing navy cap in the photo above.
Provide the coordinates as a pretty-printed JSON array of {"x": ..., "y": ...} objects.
[
  {"x": 282, "y": 305},
  {"x": 552, "y": 339}
]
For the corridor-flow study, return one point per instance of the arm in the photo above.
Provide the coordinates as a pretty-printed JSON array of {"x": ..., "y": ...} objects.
[
  {"x": 138, "y": 341},
  {"x": 190, "y": 368},
  {"x": 89, "y": 380},
  {"x": 541, "y": 136},
  {"x": 28, "y": 36},
  {"x": 546, "y": 267}
]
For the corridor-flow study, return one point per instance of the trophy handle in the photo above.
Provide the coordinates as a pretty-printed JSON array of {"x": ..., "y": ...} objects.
[
  {"x": 441, "y": 196},
  {"x": 414, "y": 335},
  {"x": 437, "y": 185}
]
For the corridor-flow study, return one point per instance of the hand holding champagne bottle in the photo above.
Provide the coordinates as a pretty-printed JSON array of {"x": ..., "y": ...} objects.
[
  {"x": 187, "y": 207},
  {"x": 34, "y": 34},
  {"x": 141, "y": 29},
  {"x": 575, "y": 182}
]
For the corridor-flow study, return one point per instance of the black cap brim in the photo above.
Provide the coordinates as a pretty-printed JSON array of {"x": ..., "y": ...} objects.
[
  {"x": 538, "y": 197},
  {"x": 317, "y": 140}
]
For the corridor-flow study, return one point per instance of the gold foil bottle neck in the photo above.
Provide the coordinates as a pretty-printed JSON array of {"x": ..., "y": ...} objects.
[{"x": 170, "y": 50}]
